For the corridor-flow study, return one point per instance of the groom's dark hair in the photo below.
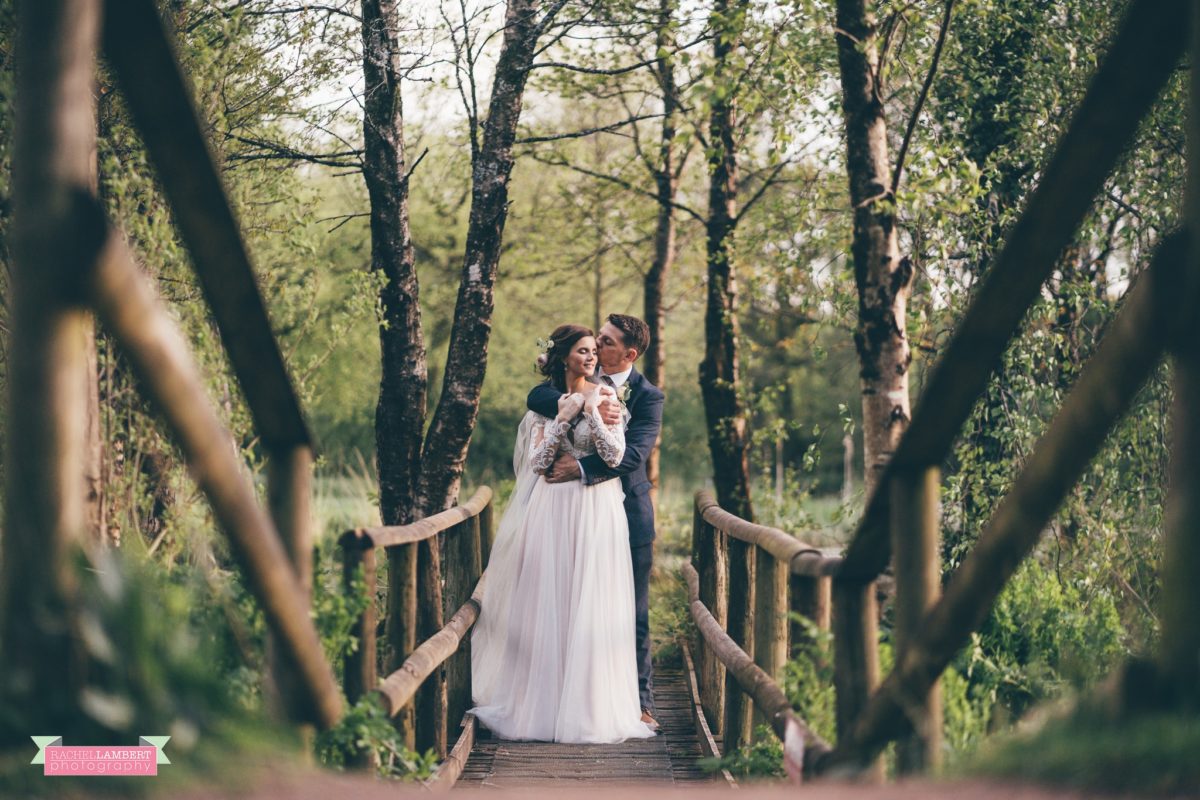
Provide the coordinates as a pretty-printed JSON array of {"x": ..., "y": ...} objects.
[{"x": 634, "y": 332}]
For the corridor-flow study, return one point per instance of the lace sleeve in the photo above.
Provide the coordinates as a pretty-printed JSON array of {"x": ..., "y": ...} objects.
[
  {"x": 547, "y": 436},
  {"x": 610, "y": 440}
]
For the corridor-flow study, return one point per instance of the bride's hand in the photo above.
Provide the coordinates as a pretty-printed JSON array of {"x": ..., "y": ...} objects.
[
  {"x": 597, "y": 397},
  {"x": 568, "y": 406}
]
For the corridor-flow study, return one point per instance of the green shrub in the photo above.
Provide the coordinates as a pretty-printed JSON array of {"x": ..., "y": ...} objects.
[{"x": 366, "y": 729}]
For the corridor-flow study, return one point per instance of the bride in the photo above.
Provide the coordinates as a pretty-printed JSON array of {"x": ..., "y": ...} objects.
[{"x": 552, "y": 655}]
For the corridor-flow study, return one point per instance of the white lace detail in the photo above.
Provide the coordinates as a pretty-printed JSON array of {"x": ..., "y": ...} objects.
[
  {"x": 548, "y": 437},
  {"x": 588, "y": 435},
  {"x": 608, "y": 439}
]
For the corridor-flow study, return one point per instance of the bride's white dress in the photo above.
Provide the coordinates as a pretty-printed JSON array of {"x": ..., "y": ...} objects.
[{"x": 552, "y": 654}]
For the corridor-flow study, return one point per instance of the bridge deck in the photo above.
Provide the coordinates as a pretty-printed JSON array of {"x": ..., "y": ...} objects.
[{"x": 669, "y": 758}]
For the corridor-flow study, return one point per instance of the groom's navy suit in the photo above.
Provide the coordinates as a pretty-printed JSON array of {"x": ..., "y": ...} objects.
[{"x": 645, "y": 404}]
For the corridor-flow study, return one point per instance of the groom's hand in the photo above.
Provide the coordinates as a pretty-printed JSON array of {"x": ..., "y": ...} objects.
[
  {"x": 565, "y": 468},
  {"x": 610, "y": 410}
]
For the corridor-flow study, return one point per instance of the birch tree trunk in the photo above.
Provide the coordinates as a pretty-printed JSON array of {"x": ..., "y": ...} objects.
[
  {"x": 882, "y": 277},
  {"x": 719, "y": 378}
]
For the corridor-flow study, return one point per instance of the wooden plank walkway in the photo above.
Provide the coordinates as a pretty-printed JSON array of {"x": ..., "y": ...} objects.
[{"x": 669, "y": 758}]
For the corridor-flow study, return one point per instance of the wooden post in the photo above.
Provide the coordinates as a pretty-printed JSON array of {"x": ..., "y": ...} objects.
[
  {"x": 487, "y": 533},
  {"x": 738, "y": 718},
  {"x": 431, "y": 699},
  {"x": 770, "y": 619},
  {"x": 462, "y": 571},
  {"x": 130, "y": 308},
  {"x": 53, "y": 247},
  {"x": 359, "y": 676},
  {"x": 856, "y": 658},
  {"x": 710, "y": 557},
  {"x": 915, "y": 523},
  {"x": 402, "y": 625},
  {"x": 808, "y": 597},
  {"x": 289, "y": 497}
]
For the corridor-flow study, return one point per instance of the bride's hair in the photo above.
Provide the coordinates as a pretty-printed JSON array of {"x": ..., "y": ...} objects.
[{"x": 554, "y": 366}]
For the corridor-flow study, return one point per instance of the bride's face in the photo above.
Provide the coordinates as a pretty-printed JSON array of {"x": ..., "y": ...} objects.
[{"x": 582, "y": 358}]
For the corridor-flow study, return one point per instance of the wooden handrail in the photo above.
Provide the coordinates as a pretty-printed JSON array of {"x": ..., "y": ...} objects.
[
  {"x": 422, "y": 529},
  {"x": 802, "y": 559},
  {"x": 802, "y": 747},
  {"x": 126, "y": 301},
  {"x": 400, "y": 687},
  {"x": 425, "y": 708}
]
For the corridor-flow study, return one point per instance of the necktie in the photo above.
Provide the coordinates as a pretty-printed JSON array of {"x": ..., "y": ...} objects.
[{"x": 608, "y": 381}]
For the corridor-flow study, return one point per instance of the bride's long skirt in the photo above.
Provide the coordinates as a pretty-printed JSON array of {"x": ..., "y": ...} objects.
[{"x": 553, "y": 653}]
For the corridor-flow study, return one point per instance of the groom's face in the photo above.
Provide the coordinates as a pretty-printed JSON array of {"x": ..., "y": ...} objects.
[{"x": 611, "y": 349}]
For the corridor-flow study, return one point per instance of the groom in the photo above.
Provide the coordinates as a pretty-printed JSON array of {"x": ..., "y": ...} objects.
[{"x": 619, "y": 342}]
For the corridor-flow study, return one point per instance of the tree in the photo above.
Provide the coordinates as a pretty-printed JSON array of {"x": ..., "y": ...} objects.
[
  {"x": 720, "y": 382},
  {"x": 881, "y": 276},
  {"x": 420, "y": 472}
]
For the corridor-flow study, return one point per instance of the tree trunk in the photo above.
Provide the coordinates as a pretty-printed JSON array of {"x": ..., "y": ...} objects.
[
  {"x": 719, "y": 379},
  {"x": 400, "y": 413},
  {"x": 1179, "y": 651},
  {"x": 881, "y": 276},
  {"x": 421, "y": 475},
  {"x": 466, "y": 362},
  {"x": 666, "y": 182},
  {"x": 403, "y": 386}
]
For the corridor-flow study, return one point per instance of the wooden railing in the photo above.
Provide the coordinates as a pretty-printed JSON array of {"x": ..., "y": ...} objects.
[
  {"x": 72, "y": 260},
  {"x": 744, "y": 582},
  {"x": 466, "y": 535},
  {"x": 901, "y": 520}
]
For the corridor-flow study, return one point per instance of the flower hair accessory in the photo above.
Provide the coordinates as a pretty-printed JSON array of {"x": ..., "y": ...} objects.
[{"x": 544, "y": 348}]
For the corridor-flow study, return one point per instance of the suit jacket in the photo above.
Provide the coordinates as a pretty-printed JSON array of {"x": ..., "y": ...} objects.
[{"x": 645, "y": 404}]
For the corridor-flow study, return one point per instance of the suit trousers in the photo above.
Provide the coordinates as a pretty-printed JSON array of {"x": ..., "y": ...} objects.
[{"x": 643, "y": 562}]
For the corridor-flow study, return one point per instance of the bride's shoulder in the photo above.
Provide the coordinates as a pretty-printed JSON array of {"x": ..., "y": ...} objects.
[{"x": 533, "y": 418}]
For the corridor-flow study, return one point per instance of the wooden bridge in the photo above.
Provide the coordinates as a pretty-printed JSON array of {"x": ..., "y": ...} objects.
[{"x": 742, "y": 579}]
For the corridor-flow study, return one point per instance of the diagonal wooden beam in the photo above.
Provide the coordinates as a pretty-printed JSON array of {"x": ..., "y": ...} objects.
[
  {"x": 139, "y": 49},
  {"x": 1146, "y": 49},
  {"x": 1131, "y": 350},
  {"x": 127, "y": 303}
]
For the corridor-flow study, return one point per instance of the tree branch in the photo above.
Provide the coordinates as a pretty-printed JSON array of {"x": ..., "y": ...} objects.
[
  {"x": 587, "y": 131},
  {"x": 766, "y": 184},
  {"x": 275, "y": 151},
  {"x": 916, "y": 112},
  {"x": 624, "y": 184}
]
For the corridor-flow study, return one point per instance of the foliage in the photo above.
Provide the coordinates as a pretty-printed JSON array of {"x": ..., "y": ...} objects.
[
  {"x": 159, "y": 663},
  {"x": 1089, "y": 750},
  {"x": 761, "y": 759},
  {"x": 1043, "y": 638},
  {"x": 365, "y": 730}
]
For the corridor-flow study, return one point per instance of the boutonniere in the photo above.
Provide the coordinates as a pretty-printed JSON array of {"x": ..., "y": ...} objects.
[{"x": 623, "y": 393}]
